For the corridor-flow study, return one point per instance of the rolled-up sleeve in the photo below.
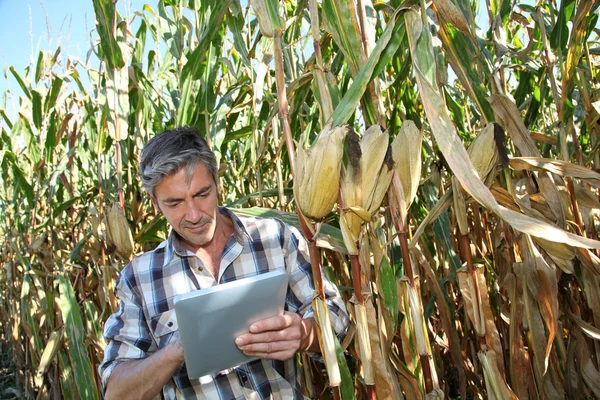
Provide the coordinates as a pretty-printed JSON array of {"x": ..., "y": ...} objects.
[
  {"x": 126, "y": 331},
  {"x": 302, "y": 289}
]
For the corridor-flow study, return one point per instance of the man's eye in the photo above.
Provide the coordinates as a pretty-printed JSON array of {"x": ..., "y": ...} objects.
[{"x": 172, "y": 205}]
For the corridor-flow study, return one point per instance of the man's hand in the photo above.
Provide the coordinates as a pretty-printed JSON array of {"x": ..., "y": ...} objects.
[
  {"x": 280, "y": 337},
  {"x": 145, "y": 378}
]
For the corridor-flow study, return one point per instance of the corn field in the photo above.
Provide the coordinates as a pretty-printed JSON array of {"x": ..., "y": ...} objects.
[{"x": 444, "y": 177}]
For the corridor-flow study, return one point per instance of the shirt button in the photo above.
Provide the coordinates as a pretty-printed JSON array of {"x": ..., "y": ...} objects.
[{"x": 170, "y": 324}]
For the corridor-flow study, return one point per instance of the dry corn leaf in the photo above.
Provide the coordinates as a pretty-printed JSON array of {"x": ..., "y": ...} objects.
[
  {"x": 448, "y": 326},
  {"x": 559, "y": 250},
  {"x": 386, "y": 382},
  {"x": 591, "y": 283},
  {"x": 409, "y": 345},
  {"x": 542, "y": 283},
  {"x": 590, "y": 330},
  {"x": 454, "y": 152},
  {"x": 590, "y": 374},
  {"x": 589, "y": 260},
  {"x": 508, "y": 114},
  {"x": 494, "y": 379},
  {"x": 326, "y": 341},
  {"x": 436, "y": 394},
  {"x": 558, "y": 167},
  {"x": 364, "y": 343},
  {"x": 448, "y": 12},
  {"x": 586, "y": 197},
  {"x": 479, "y": 311},
  {"x": 517, "y": 353}
]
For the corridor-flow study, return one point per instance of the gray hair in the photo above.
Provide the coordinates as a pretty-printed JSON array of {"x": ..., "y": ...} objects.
[{"x": 170, "y": 151}]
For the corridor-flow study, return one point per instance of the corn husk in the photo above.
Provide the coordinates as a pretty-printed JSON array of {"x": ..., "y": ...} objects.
[
  {"x": 406, "y": 152},
  {"x": 326, "y": 341},
  {"x": 317, "y": 180},
  {"x": 484, "y": 154},
  {"x": 366, "y": 356},
  {"x": 367, "y": 176},
  {"x": 460, "y": 207},
  {"x": 54, "y": 343},
  {"x": 118, "y": 232}
]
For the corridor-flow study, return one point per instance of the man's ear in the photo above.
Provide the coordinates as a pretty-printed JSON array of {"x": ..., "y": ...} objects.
[{"x": 154, "y": 203}]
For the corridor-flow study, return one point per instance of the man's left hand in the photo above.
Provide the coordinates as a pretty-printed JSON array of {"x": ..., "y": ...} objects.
[{"x": 278, "y": 338}]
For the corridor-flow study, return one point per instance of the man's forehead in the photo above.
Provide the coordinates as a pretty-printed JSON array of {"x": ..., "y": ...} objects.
[{"x": 196, "y": 179}]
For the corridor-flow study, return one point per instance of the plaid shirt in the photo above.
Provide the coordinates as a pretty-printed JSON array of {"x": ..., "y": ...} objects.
[{"x": 145, "y": 320}]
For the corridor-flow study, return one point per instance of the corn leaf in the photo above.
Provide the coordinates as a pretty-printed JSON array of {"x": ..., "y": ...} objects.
[
  {"x": 456, "y": 155},
  {"x": 75, "y": 334}
]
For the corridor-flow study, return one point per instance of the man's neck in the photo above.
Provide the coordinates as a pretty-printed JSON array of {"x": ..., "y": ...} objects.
[{"x": 210, "y": 253}]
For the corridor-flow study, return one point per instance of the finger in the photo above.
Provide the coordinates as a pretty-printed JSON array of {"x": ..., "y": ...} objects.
[
  {"x": 270, "y": 336},
  {"x": 276, "y": 323},
  {"x": 271, "y": 347},
  {"x": 280, "y": 355}
]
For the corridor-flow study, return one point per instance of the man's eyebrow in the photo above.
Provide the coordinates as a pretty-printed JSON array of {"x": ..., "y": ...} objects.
[
  {"x": 172, "y": 199},
  {"x": 199, "y": 192}
]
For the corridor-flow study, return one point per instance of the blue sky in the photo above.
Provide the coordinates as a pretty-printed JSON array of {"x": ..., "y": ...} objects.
[{"x": 28, "y": 26}]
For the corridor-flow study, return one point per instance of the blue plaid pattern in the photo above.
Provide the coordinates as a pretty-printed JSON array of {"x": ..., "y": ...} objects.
[{"x": 145, "y": 319}]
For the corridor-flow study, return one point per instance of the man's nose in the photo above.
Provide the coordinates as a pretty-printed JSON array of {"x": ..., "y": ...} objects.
[{"x": 194, "y": 213}]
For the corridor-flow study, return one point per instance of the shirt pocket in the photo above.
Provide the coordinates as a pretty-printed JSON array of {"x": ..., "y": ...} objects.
[{"x": 164, "y": 328}]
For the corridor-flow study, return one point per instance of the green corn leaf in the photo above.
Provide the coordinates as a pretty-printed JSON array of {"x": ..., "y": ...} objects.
[
  {"x": 347, "y": 385},
  {"x": 6, "y": 119},
  {"x": 560, "y": 33},
  {"x": 39, "y": 67},
  {"x": 20, "y": 81},
  {"x": 105, "y": 18},
  {"x": 389, "y": 286},
  {"x": 329, "y": 236},
  {"x": 273, "y": 10},
  {"x": 75, "y": 333},
  {"x": 50, "y": 101},
  {"x": 340, "y": 21},
  {"x": 140, "y": 43},
  {"x": 66, "y": 376},
  {"x": 36, "y": 108},
  {"x": 348, "y": 103}
]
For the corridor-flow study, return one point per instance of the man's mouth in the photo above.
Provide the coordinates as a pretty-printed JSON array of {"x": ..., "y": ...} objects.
[{"x": 196, "y": 228}]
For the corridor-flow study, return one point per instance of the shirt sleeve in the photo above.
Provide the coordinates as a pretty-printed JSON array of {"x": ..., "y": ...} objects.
[
  {"x": 302, "y": 287},
  {"x": 126, "y": 331}
]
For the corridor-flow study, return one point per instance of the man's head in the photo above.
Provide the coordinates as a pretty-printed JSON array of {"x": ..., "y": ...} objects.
[
  {"x": 179, "y": 172},
  {"x": 170, "y": 151}
]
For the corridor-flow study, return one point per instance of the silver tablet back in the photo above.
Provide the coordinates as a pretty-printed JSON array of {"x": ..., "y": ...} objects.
[{"x": 210, "y": 319}]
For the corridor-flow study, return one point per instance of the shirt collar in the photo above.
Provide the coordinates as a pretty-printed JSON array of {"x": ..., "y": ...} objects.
[{"x": 175, "y": 247}]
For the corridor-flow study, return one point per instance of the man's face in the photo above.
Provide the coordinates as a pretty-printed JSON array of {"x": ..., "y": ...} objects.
[{"x": 191, "y": 208}]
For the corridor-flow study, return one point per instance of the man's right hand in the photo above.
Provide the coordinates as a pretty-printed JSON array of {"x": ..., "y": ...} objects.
[{"x": 145, "y": 378}]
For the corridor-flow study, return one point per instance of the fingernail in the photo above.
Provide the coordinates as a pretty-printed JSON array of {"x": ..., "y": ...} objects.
[
  {"x": 253, "y": 328},
  {"x": 239, "y": 340}
]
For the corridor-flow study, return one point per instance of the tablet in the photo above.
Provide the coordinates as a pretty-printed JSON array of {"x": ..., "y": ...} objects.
[{"x": 211, "y": 319}]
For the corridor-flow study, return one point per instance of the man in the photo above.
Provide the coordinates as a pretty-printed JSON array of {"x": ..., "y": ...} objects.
[{"x": 207, "y": 245}]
